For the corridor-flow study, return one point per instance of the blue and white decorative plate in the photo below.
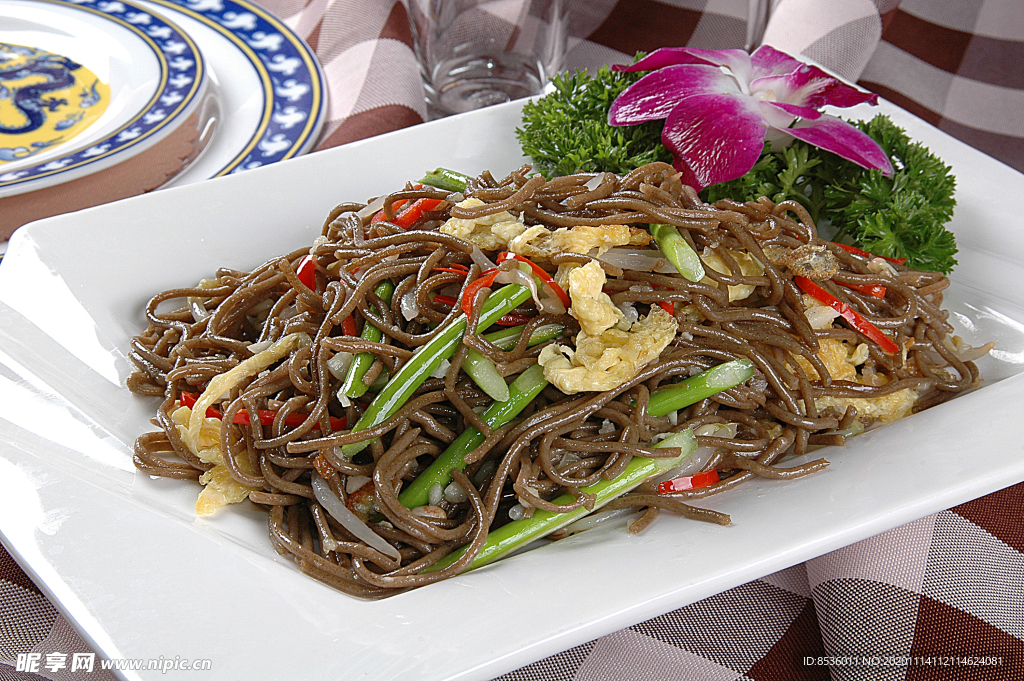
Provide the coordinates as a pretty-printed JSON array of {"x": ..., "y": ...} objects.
[
  {"x": 154, "y": 73},
  {"x": 270, "y": 88}
]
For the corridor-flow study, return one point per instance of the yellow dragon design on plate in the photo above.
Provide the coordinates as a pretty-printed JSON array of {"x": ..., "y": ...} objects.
[{"x": 45, "y": 99}]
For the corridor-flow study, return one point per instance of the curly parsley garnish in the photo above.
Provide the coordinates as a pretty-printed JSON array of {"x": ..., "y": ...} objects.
[{"x": 899, "y": 217}]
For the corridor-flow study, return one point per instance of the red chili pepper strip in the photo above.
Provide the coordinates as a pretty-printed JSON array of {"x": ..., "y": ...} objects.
[
  {"x": 445, "y": 300},
  {"x": 852, "y": 317},
  {"x": 668, "y": 307},
  {"x": 876, "y": 290},
  {"x": 540, "y": 274},
  {"x": 266, "y": 416},
  {"x": 410, "y": 215},
  {"x": 348, "y": 326},
  {"x": 865, "y": 254},
  {"x": 483, "y": 282},
  {"x": 395, "y": 207},
  {"x": 306, "y": 272},
  {"x": 689, "y": 482},
  {"x": 452, "y": 270},
  {"x": 512, "y": 319}
]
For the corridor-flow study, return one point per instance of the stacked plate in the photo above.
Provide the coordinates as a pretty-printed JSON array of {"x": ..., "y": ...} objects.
[{"x": 104, "y": 99}]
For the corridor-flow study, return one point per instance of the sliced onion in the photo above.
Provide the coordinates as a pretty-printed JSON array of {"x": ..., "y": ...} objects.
[
  {"x": 589, "y": 522},
  {"x": 964, "y": 351},
  {"x": 344, "y": 399},
  {"x": 338, "y": 364},
  {"x": 372, "y": 208},
  {"x": 199, "y": 311},
  {"x": 355, "y": 482},
  {"x": 454, "y": 493},
  {"x": 410, "y": 310},
  {"x": 349, "y": 520},
  {"x": 820, "y": 316},
  {"x": 695, "y": 464},
  {"x": 629, "y": 312},
  {"x": 481, "y": 260},
  {"x": 547, "y": 301},
  {"x": 594, "y": 182},
  {"x": 260, "y": 347},
  {"x": 436, "y": 494},
  {"x": 638, "y": 260},
  {"x": 442, "y": 369}
]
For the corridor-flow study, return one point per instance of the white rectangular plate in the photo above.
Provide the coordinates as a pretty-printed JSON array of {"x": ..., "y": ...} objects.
[{"x": 124, "y": 558}]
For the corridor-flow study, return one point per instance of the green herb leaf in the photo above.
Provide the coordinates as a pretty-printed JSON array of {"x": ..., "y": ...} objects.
[
  {"x": 567, "y": 131},
  {"x": 899, "y": 217}
]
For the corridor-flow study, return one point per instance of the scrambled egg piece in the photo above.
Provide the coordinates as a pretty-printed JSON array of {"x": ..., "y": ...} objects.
[
  {"x": 605, "y": 361},
  {"x": 219, "y": 488},
  {"x": 490, "y": 233},
  {"x": 887, "y": 408},
  {"x": 749, "y": 267},
  {"x": 841, "y": 359},
  {"x": 590, "y": 305},
  {"x": 540, "y": 242},
  {"x": 207, "y": 445}
]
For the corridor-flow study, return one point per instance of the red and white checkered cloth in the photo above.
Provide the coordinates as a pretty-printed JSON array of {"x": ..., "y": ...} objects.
[{"x": 946, "y": 591}]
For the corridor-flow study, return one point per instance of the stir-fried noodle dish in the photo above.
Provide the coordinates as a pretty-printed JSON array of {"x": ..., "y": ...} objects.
[{"x": 468, "y": 364}]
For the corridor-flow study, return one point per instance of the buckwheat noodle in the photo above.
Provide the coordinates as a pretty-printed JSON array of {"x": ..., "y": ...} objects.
[{"x": 560, "y": 443}]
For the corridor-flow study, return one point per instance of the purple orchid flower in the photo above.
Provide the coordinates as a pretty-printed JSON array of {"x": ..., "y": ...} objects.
[{"x": 719, "y": 106}]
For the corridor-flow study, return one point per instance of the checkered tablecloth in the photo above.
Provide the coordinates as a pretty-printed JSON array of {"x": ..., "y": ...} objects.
[{"x": 945, "y": 592}]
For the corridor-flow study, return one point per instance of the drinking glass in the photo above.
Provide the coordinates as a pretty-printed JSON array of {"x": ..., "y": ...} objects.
[{"x": 475, "y": 53}]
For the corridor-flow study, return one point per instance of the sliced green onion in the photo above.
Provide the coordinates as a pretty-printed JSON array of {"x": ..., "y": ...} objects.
[
  {"x": 518, "y": 533},
  {"x": 678, "y": 251},
  {"x": 483, "y": 371},
  {"x": 353, "y": 385},
  {"x": 486, "y": 376},
  {"x": 442, "y": 178},
  {"x": 696, "y": 388},
  {"x": 428, "y": 358}
]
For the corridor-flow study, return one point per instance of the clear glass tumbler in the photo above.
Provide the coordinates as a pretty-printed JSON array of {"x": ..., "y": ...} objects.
[{"x": 475, "y": 53}]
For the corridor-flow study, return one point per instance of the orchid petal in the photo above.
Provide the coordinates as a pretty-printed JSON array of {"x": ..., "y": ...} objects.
[
  {"x": 767, "y": 61},
  {"x": 737, "y": 60},
  {"x": 776, "y": 116},
  {"x": 839, "y": 137},
  {"x": 813, "y": 87},
  {"x": 653, "y": 96},
  {"x": 714, "y": 138},
  {"x": 794, "y": 110}
]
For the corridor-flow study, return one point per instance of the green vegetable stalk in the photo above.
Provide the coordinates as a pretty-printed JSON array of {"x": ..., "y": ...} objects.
[
  {"x": 678, "y": 251},
  {"x": 482, "y": 370},
  {"x": 353, "y": 385},
  {"x": 518, "y": 533},
  {"x": 428, "y": 358},
  {"x": 442, "y": 178},
  {"x": 696, "y": 388},
  {"x": 526, "y": 387}
]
